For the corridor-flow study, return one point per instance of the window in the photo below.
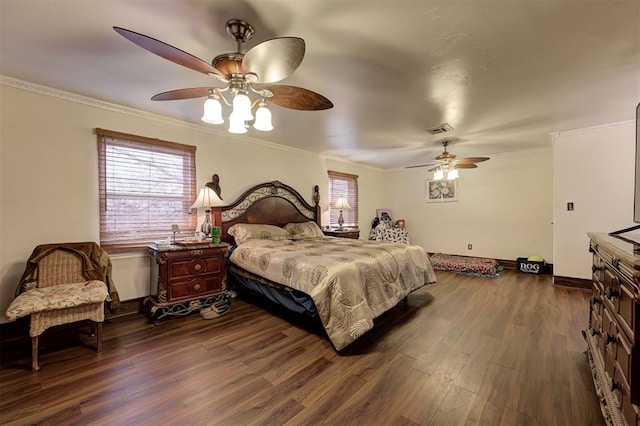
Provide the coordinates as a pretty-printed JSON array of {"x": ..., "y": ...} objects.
[
  {"x": 145, "y": 186},
  {"x": 343, "y": 185}
]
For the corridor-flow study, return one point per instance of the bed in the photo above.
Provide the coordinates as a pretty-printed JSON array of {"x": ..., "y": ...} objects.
[{"x": 279, "y": 252}]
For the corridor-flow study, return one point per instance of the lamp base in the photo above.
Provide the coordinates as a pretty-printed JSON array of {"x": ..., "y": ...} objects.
[
  {"x": 206, "y": 225},
  {"x": 340, "y": 221}
]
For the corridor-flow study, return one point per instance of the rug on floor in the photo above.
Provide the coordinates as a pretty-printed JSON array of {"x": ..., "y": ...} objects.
[{"x": 478, "y": 266}]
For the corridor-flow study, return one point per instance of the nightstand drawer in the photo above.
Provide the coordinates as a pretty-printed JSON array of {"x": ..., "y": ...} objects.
[
  {"x": 195, "y": 287},
  {"x": 180, "y": 269}
]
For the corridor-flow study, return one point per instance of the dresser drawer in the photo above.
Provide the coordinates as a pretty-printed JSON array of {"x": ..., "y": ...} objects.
[
  {"x": 195, "y": 287},
  {"x": 625, "y": 305},
  {"x": 597, "y": 295},
  {"x": 623, "y": 357},
  {"x": 622, "y": 395}
]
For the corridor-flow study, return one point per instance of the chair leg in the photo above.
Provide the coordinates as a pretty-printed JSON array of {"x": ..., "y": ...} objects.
[
  {"x": 98, "y": 336},
  {"x": 34, "y": 354}
]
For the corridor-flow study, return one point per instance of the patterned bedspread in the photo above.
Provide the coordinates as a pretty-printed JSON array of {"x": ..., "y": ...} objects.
[{"x": 350, "y": 281}]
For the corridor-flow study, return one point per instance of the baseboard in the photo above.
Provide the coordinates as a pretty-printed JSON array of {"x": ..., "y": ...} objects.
[
  {"x": 128, "y": 307},
  {"x": 572, "y": 282}
]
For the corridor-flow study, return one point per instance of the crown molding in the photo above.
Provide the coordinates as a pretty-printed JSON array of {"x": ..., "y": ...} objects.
[
  {"x": 85, "y": 100},
  {"x": 591, "y": 129}
]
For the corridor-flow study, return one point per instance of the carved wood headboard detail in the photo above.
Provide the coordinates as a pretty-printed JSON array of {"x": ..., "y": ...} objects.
[{"x": 273, "y": 203}]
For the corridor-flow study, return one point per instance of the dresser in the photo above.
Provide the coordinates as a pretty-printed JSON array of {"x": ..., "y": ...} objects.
[
  {"x": 187, "y": 279},
  {"x": 613, "y": 335},
  {"x": 346, "y": 233}
]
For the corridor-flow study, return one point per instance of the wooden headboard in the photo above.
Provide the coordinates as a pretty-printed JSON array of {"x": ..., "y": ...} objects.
[{"x": 272, "y": 203}]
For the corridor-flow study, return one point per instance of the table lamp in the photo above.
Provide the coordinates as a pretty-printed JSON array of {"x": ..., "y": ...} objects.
[
  {"x": 341, "y": 203},
  {"x": 207, "y": 198}
]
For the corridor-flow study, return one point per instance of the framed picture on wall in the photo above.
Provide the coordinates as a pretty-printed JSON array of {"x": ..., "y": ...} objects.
[{"x": 440, "y": 191}]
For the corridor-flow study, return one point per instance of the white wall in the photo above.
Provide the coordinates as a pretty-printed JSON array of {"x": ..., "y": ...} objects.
[
  {"x": 49, "y": 177},
  {"x": 504, "y": 209},
  {"x": 594, "y": 169}
]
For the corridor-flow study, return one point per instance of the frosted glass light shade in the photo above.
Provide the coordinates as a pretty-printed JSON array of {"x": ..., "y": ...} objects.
[
  {"x": 263, "y": 119},
  {"x": 212, "y": 111},
  {"x": 236, "y": 124},
  {"x": 452, "y": 174},
  {"x": 438, "y": 175},
  {"x": 242, "y": 106}
]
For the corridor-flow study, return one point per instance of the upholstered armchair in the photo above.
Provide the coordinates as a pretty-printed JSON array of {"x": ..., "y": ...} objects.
[{"x": 64, "y": 283}]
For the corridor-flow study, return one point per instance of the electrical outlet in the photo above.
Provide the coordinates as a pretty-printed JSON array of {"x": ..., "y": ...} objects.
[
  {"x": 570, "y": 206},
  {"x": 469, "y": 246}
]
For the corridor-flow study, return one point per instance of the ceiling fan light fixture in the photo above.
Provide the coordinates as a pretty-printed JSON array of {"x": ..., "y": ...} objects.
[
  {"x": 212, "y": 111},
  {"x": 452, "y": 174},
  {"x": 236, "y": 124},
  {"x": 267, "y": 62},
  {"x": 438, "y": 174},
  {"x": 263, "y": 118}
]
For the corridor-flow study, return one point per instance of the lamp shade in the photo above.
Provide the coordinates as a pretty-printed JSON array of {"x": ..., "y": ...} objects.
[
  {"x": 236, "y": 124},
  {"x": 452, "y": 174},
  {"x": 438, "y": 175},
  {"x": 206, "y": 198},
  {"x": 212, "y": 111},
  {"x": 341, "y": 203},
  {"x": 242, "y": 107},
  {"x": 263, "y": 119}
]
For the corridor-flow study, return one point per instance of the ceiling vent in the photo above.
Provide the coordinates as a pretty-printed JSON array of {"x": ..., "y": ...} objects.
[{"x": 437, "y": 130}]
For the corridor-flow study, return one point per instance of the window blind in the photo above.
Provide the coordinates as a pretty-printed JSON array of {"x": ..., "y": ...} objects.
[
  {"x": 145, "y": 186},
  {"x": 343, "y": 185}
]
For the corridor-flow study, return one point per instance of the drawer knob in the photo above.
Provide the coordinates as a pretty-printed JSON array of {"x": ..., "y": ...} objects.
[
  {"x": 614, "y": 385},
  {"x": 611, "y": 293},
  {"x": 595, "y": 268},
  {"x": 595, "y": 300},
  {"x": 196, "y": 287},
  {"x": 197, "y": 267},
  {"x": 610, "y": 339},
  {"x": 595, "y": 332}
]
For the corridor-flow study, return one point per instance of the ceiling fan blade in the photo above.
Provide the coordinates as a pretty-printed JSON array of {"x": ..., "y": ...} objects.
[
  {"x": 417, "y": 166},
  {"x": 293, "y": 97},
  {"x": 275, "y": 59},
  {"x": 169, "y": 52},
  {"x": 465, "y": 166},
  {"x": 174, "y": 95},
  {"x": 472, "y": 159}
]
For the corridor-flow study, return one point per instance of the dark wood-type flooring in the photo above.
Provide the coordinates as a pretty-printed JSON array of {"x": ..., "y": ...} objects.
[{"x": 467, "y": 350}]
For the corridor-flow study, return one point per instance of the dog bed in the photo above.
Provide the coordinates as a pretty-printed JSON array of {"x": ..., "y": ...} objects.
[{"x": 478, "y": 266}]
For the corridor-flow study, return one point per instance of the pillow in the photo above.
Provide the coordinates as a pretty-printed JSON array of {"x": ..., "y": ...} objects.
[
  {"x": 243, "y": 232},
  {"x": 304, "y": 230}
]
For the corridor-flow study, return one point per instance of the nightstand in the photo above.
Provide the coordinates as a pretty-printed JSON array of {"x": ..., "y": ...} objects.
[
  {"x": 346, "y": 233},
  {"x": 188, "y": 279}
]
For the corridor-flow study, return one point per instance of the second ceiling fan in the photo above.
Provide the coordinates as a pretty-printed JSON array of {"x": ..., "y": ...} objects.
[
  {"x": 447, "y": 164},
  {"x": 242, "y": 74}
]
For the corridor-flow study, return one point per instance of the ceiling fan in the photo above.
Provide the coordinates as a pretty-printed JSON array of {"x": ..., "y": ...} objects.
[
  {"x": 242, "y": 75},
  {"x": 447, "y": 163}
]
